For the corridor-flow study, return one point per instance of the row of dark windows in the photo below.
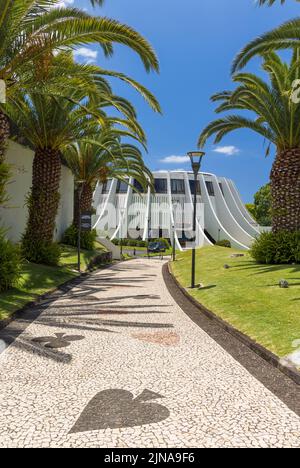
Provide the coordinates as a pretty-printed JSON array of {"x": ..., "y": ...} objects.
[{"x": 161, "y": 187}]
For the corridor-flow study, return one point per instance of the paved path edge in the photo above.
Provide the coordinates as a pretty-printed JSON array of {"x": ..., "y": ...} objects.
[{"x": 258, "y": 361}]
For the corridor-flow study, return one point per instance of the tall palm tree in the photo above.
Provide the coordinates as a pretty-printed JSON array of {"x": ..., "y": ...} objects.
[
  {"x": 105, "y": 157},
  {"x": 276, "y": 119},
  {"x": 32, "y": 29}
]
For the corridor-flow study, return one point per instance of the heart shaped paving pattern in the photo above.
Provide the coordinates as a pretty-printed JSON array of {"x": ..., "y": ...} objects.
[
  {"x": 162, "y": 338},
  {"x": 115, "y": 408}
]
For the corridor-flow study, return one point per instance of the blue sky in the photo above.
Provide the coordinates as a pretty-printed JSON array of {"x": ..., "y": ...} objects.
[{"x": 196, "y": 41}]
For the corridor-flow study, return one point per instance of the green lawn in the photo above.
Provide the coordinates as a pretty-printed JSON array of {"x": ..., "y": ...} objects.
[
  {"x": 247, "y": 295},
  {"x": 39, "y": 279}
]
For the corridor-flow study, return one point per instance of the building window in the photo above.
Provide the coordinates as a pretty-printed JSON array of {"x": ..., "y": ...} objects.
[
  {"x": 161, "y": 186},
  {"x": 210, "y": 189},
  {"x": 221, "y": 187},
  {"x": 177, "y": 187},
  {"x": 106, "y": 187},
  {"x": 192, "y": 187},
  {"x": 138, "y": 186},
  {"x": 122, "y": 187}
]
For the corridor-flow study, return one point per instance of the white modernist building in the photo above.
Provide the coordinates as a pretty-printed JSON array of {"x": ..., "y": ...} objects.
[{"x": 121, "y": 212}]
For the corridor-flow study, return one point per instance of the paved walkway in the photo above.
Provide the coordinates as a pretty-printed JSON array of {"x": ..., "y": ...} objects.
[{"x": 115, "y": 362}]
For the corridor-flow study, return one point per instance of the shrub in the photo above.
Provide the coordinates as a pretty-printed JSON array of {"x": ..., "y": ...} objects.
[
  {"x": 41, "y": 252},
  {"x": 103, "y": 258},
  {"x": 88, "y": 238},
  {"x": 277, "y": 248},
  {"x": 142, "y": 243},
  {"x": 224, "y": 243},
  {"x": 116, "y": 241},
  {"x": 133, "y": 243},
  {"x": 163, "y": 241},
  {"x": 10, "y": 261}
]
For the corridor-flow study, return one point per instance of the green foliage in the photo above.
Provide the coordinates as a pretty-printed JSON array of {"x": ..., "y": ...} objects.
[
  {"x": 130, "y": 242},
  {"x": 10, "y": 261},
  {"x": 88, "y": 238},
  {"x": 224, "y": 243},
  {"x": 274, "y": 114},
  {"x": 277, "y": 248},
  {"x": 163, "y": 241},
  {"x": 251, "y": 208},
  {"x": 142, "y": 243},
  {"x": 285, "y": 36},
  {"x": 263, "y": 206},
  {"x": 41, "y": 252}
]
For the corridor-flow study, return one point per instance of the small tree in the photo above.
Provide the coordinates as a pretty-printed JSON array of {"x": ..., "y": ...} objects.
[{"x": 263, "y": 206}]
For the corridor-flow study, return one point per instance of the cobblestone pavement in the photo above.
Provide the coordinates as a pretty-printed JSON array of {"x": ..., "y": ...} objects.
[{"x": 116, "y": 363}]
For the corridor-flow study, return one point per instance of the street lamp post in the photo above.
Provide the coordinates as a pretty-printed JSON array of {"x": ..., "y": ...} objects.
[
  {"x": 80, "y": 185},
  {"x": 174, "y": 244},
  {"x": 196, "y": 159},
  {"x": 122, "y": 213}
]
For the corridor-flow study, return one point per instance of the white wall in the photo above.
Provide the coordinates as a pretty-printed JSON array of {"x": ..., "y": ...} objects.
[{"x": 13, "y": 217}]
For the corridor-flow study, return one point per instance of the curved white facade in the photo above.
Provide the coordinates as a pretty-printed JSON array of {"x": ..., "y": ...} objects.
[{"x": 121, "y": 212}]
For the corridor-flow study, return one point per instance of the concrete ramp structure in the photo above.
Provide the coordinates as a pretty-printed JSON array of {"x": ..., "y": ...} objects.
[{"x": 124, "y": 210}]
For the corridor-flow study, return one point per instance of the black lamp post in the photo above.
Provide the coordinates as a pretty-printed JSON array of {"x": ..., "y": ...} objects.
[
  {"x": 174, "y": 243},
  {"x": 80, "y": 185},
  {"x": 122, "y": 213},
  {"x": 196, "y": 159}
]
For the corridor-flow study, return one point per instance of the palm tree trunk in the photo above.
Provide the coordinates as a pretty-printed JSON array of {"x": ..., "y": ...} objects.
[
  {"x": 85, "y": 202},
  {"x": 4, "y": 169},
  {"x": 44, "y": 197},
  {"x": 4, "y": 135},
  {"x": 285, "y": 180}
]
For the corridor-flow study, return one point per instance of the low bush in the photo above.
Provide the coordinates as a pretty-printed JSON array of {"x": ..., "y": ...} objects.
[
  {"x": 277, "y": 248},
  {"x": 142, "y": 243},
  {"x": 88, "y": 238},
  {"x": 163, "y": 241},
  {"x": 133, "y": 243},
  {"x": 10, "y": 263},
  {"x": 41, "y": 252},
  {"x": 104, "y": 258},
  {"x": 130, "y": 242},
  {"x": 224, "y": 243}
]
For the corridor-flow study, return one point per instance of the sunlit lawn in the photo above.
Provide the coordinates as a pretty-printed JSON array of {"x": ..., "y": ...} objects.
[
  {"x": 38, "y": 279},
  {"x": 247, "y": 295}
]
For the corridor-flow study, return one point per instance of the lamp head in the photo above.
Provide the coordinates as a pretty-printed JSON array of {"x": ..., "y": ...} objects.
[{"x": 196, "y": 160}]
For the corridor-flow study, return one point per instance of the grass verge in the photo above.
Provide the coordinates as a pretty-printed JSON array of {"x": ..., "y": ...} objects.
[
  {"x": 37, "y": 280},
  {"x": 247, "y": 295}
]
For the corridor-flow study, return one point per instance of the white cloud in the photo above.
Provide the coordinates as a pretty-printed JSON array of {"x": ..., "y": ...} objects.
[
  {"x": 175, "y": 159},
  {"x": 86, "y": 53},
  {"x": 228, "y": 150},
  {"x": 63, "y": 4}
]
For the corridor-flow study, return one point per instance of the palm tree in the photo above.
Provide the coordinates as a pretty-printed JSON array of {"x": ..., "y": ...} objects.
[
  {"x": 105, "y": 157},
  {"x": 276, "y": 119},
  {"x": 31, "y": 30}
]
